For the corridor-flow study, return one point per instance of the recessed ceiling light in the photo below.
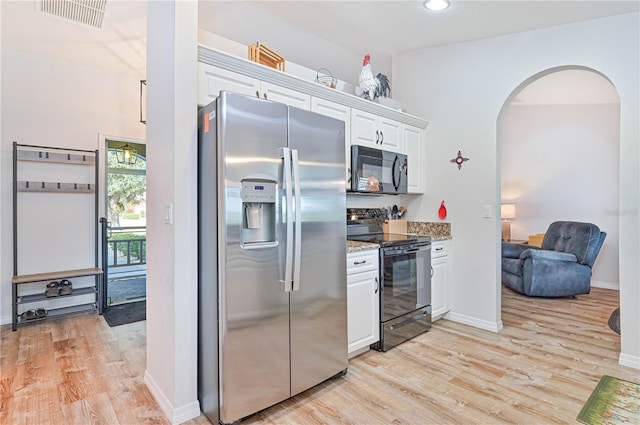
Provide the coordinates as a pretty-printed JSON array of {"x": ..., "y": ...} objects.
[{"x": 437, "y": 4}]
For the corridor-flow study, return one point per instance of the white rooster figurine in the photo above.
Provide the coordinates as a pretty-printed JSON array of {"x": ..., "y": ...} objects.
[{"x": 372, "y": 87}]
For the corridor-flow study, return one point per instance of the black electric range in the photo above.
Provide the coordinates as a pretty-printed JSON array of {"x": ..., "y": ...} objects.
[{"x": 365, "y": 225}]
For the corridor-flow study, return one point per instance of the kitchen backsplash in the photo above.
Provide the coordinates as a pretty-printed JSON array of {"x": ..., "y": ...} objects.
[{"x": 433, "y": 229}]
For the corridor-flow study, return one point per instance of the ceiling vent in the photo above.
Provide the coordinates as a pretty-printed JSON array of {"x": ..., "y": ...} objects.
[{"x": 85, "y": 12}]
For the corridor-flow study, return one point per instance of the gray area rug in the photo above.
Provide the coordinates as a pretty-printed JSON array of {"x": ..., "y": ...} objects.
[
  {"x": 614, "y": 321},
  {"x": 122, "y": 314}
]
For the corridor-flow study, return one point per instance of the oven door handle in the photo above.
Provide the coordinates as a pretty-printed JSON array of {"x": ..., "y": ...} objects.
[{"x": 394, "y": 253}]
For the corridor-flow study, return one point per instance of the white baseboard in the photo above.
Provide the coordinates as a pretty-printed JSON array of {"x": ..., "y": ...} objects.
[
  {"x": 476, "y": 323},
  {"x": 5, "y": 320},
  {"x": 175, "y": 415},
  {"x": 605, "y": 285},
  {"x": 629, "y": 360}
]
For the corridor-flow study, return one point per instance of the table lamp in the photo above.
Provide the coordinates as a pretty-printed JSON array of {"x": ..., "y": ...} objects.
[{"x": 507, "y": 211}]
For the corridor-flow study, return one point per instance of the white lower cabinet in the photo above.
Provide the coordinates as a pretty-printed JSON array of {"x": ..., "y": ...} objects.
[
  {"x": 363, "y": 305},
  {"x": 440, "y": 286}
]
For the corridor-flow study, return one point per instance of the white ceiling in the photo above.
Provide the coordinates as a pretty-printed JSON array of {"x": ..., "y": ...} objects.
[{"x": 314, "y": 34}]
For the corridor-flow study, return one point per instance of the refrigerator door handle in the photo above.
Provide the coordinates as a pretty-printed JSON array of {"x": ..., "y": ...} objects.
[
  {"x": 298, "y": 221},
  {"x": 288, "y": 257}
]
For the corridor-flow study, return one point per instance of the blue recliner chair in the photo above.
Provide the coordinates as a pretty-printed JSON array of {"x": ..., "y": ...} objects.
[{"x": 560, "y": 268}]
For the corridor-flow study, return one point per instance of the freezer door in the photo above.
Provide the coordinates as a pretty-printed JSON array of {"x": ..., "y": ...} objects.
[
  {"x": 253, "y": 308},
  {"x": 319, "y": 298}
]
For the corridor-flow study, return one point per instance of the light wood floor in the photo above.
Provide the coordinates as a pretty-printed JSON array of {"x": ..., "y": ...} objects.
[{"x": 540, "y": 369}]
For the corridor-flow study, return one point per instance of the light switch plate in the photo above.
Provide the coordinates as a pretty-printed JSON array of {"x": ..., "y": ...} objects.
[
  {"x": 486, "y": 211},
  {"x": 168, "y": 213}
]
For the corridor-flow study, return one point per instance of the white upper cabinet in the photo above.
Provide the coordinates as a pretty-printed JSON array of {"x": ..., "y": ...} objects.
[
  {"x": 414, "y": 148},
  {"x": 374, "y": 131},
  {"x": 366, "y": 123},
  {"x": 285, "y": 95},
  {"x": 211, "y": 80},
  {"x": 340, "y": 112}
]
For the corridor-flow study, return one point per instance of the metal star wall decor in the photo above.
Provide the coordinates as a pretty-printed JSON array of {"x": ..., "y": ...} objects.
[{"x": 459, "y": 160}]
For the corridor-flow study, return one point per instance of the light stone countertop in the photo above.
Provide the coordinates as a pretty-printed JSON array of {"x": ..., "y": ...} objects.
[
  {"x": 355, "y": 246},
  {"x": 437, "y": 231}
]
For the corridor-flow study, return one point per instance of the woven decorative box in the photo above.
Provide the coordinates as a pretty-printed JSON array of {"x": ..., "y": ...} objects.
[
  {"x": 394, "y": 226},
  {"x": 536, "y": 240},
  {"x": 260, "y": 53}
]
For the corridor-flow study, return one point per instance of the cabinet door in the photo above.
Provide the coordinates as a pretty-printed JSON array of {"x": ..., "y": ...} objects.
[
  {"x": 413, "y": 147},
  {"x": 364, "y": 129},
  {"x": 285, "y": 95},
  {"x": 212, "y": 79},
  {"x": 390, "y": 135},
  {"x": 363, "y": 311},
  {"x": 439, "y": 300},
  {"x": 340, "y": 112}
]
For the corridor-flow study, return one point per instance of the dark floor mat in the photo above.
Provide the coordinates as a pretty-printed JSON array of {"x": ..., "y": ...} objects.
[
  {"x": 614, "y": 321},
  {"x": 122, "y": 314}
]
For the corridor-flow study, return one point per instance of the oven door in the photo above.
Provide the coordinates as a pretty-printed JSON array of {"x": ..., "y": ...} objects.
[{"x": 406, "y": 279}]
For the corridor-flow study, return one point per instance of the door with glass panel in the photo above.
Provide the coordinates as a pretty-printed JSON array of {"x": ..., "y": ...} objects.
[{"x": 124, "y": 226}]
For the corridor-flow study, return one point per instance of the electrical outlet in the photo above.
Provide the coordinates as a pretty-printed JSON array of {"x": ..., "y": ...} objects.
[{"x": 486, "y": 211}]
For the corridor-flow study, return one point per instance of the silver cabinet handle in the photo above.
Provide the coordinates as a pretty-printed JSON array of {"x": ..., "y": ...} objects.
[
  {"x": 377, "y": 286},
  {"x": 355, "y": 263},
  {"x": 257, "y": 93},
  {"x": 439, "y": 249},
  {"x": 377, "y": 137},
  {"x": 264, "y": 95},
  {"x": 381, "y": 137},
  {"x": 431, "y": 271}
]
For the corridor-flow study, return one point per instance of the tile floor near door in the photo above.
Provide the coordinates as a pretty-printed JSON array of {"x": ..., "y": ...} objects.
[{"x": 540, "y": 369}]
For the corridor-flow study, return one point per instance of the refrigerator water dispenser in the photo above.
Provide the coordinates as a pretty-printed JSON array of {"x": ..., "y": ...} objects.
[{"x": 258, "y": 212}]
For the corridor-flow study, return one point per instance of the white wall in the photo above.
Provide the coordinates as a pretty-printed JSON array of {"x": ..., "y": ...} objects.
[
  {"x": 561, "y": 162},
  {"x": 52, "y": 103},
  {"x": 461, "y": 90},
  {"x": 172, "y": 251}
]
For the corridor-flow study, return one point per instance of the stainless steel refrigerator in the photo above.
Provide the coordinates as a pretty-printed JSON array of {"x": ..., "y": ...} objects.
[{"x": 272, "y": 254}]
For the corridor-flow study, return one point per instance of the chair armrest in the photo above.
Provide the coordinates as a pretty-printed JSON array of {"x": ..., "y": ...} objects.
[
  {"x": 548, "y": 255},
  {"x": 513, "y": 250}
]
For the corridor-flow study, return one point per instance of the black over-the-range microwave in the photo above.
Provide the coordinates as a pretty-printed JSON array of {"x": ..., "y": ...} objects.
[{"x": 377, "y": 171}]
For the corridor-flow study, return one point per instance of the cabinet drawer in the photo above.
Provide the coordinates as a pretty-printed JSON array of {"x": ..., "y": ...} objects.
[
  {"x": 362, "y": 261},
  {"x": 439, "y": 249}
]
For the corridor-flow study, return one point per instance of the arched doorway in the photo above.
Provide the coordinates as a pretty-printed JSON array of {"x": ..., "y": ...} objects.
[{"x": 559, "y": 150}]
